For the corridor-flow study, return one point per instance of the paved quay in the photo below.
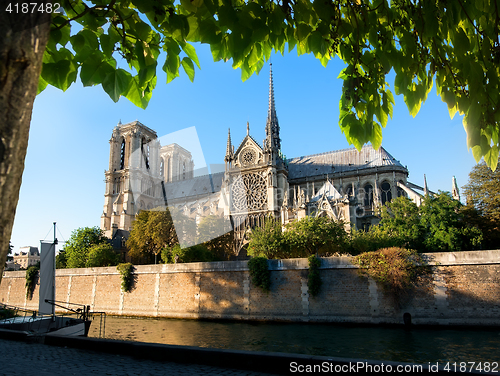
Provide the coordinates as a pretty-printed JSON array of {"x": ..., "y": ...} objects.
[{"x": 25, "y": 359}]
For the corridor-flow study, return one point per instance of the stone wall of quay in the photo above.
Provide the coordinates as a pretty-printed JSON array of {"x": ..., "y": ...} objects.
[{"x": 464, "y": 289}]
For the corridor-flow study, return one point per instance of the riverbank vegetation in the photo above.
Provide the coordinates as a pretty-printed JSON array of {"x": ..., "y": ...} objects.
[
  {"x": 397, "y": 270},
  {"x": 438, "y": 225}
]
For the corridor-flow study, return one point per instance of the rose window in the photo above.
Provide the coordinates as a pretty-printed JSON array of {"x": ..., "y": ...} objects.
[
  {"x": 248, "y": 156},
  {"x": 249, "y": 192}
]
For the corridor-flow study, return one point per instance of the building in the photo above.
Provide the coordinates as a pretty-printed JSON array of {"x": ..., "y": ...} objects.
[
  {"x": 258, "y": 181},
  {"x": 27, "y": 257}
]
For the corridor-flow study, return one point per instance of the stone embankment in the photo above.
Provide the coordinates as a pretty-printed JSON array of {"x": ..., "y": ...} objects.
[{"x": 464, "y": 289}]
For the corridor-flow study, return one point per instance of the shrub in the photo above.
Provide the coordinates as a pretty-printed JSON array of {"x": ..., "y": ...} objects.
[
  {"x": 396, "y": 269},
  {"x": 259, "y": 272},
  {"x": 126, "y": 271},
  {"x": 31, "y": 279},
  {"x": 313, "y": 277},
  {"x": 196, "y": 253}
]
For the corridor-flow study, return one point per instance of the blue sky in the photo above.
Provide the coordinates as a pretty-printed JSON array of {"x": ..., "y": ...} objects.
[{"x": 68, "y": 149}]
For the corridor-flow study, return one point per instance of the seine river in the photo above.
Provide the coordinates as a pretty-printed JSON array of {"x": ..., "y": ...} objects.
[{"x": 376, "y": 343}]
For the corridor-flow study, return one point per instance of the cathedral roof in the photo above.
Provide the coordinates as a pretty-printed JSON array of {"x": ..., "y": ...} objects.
[
  {"x": 199, "y": 185},
  {"x": 337, "y": 161}
]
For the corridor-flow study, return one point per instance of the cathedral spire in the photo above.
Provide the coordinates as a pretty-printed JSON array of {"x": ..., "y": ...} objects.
[
  {"x": 426, "y": 190},
  {"x": 454, "y": 190},
  {"x": 272, "y": 127},
  {"x": 229, "y": 147}
]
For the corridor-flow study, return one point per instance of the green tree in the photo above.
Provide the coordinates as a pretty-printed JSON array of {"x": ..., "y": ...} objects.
[
  {"x": 369, "y": 241},
  {"x": 61, "y": 260},
  {"x": 446, "y": 229},
  {"x": 154, "y": 230},
  {"x": 211, "y": 227},
  {"x": 195, "y": 253},
  {"x": 267, "y": 241},
  {"x": 315, "y": 235},
  {"x": 452, "y": 43},
  {"x": 102, "y": 255},
  {"x": 79, "y": 244},
  {"x": 483, "y": 203},
  {"x": 400, "y": 220}
]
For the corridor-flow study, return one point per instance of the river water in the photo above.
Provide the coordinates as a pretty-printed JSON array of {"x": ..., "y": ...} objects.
[{"x": 377, "y": 343}]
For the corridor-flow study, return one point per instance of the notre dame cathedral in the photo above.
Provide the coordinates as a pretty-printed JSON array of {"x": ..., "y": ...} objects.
[{"x": 258, "y": 181}]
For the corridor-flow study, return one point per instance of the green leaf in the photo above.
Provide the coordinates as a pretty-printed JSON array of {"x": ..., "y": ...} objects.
[
  {"x": 188, "y": 66},
  {"x": 191, "y": 52},
  {"x": 472, "y": 124},
  {"x": 461, "y": 42},
  {"x": 302, "y": 32},
  {"x": 61, "y": 74},
  {"x": 42, "y": 84},
  {"x": 255, "y": 55},
  {"x": 135, "y": 94},
  {"x": 401, "y": 83},
  {"x": 376, "y": 137},
  {"x": 491, "y": 157},
  {"x": 107, "y": 45},
  {"x": 171, "y": 67},
  {"x": 116, "y": 83},
  {"x": 95, "y": 69}
]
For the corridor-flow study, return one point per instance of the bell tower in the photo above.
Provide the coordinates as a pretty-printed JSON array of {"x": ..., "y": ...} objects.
[{"x": 133, "y": 168}]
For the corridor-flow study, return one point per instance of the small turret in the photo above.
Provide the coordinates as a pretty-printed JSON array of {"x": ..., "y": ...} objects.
[
  {"x": 229, "y": 150},
  {"x": 454, "y": 189}
]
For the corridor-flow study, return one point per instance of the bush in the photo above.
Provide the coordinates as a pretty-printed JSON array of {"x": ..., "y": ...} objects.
[
  {"x": 259, "y": 272},
  {"x": 369, "y": 241},
  {"x": 267, "y": 241},
  {"x": 313, "y": 277},
  {"x": 396, "y": 269},
  {"x": 196, "y": 253},
  {"x": 31, "y": 279},
  {"x": 126, "y": 271}
]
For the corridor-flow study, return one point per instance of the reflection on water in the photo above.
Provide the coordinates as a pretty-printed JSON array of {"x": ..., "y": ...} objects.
[{"x": 397, "y": 344}]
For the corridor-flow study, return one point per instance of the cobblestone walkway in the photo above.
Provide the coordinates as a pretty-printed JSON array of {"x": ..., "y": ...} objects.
[{"x": 26, "y": 359}]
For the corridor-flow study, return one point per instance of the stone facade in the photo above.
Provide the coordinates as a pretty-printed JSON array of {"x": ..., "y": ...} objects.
[
  {"x": 138, "y": 165},
  {"x": 258, "y": 182},
  {"x": 463, "y": 290},
  {"x": 26, "y": 257}
]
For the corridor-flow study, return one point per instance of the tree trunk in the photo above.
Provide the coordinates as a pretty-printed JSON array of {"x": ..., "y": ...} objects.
[{"x": 22, "y": 44}]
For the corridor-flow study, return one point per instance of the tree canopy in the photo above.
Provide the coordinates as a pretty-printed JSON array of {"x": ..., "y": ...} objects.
[
  {"x": 80, "y": 244},
  {"x": 483, "y": 203},
  {"x": 152, "y": 230},
  {"x": 302, "y": 238},
  {"x": 438, "y": 225},
  {"x": 454, "y": 44},
  {"x": 217, "y": 236}
]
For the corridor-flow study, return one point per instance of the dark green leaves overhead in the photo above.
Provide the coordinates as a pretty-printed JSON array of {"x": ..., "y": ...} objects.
[{"x": 455, "y": 43}]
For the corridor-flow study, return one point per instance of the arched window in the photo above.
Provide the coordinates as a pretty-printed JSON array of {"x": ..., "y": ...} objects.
[
  {"x": 183, "y": 170},
  {"x": 162, "y": 168},
  {"x": 145, "y": 153},
  {"x": 401, "y": 191},
  {"x": 368, "y": 201},
  {"x": 348, "y": 191},
  {"x": 122, "y": 155},
  {"x": 386, "y": 192}
]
